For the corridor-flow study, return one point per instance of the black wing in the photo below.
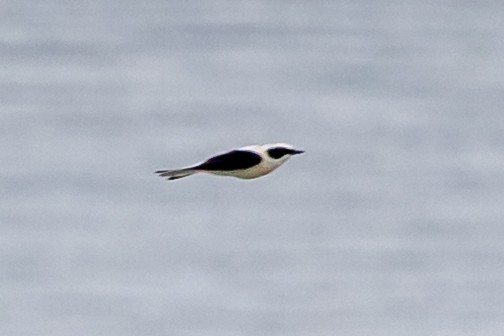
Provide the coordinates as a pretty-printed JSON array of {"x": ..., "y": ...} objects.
[{"x": 234, "y": 160}]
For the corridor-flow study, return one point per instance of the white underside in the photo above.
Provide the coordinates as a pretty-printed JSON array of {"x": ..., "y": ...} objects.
[{"x": 247, "y": 174}]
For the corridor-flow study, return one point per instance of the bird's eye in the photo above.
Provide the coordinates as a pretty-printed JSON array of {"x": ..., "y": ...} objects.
[{"x": 278, "y": 152}]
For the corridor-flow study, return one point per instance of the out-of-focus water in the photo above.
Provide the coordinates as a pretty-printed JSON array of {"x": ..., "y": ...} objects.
[{"x": 390, "y": 224}]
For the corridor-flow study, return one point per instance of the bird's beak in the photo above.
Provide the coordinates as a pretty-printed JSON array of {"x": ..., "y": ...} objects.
[{"x": 297, "y": 151}]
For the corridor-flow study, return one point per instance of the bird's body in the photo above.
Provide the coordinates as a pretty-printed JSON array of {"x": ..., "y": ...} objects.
[{"x": 245, "y": 163}]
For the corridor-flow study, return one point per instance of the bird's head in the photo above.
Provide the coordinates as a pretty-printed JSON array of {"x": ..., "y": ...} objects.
[{"x": 280, "y": 152}]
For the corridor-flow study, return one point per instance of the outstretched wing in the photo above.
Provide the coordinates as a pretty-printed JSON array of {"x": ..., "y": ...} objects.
[{"x": 234, "y": 160}]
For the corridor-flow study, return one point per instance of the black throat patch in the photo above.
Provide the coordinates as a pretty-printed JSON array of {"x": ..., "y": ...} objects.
[{"x": 279, "y": 152}]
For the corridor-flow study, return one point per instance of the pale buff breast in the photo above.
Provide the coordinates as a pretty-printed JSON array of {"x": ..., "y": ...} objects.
[{"x": 249, "y": 173}]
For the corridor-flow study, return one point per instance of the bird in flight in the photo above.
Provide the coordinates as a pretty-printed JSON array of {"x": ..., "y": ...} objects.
[{"x": 247, "y": 162}]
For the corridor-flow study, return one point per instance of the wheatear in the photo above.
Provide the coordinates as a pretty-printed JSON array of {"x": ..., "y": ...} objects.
[{"x": 246, "y": 162}]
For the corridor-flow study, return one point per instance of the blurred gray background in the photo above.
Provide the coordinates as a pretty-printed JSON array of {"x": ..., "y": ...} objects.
[{"x": 390, "y": 224}]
